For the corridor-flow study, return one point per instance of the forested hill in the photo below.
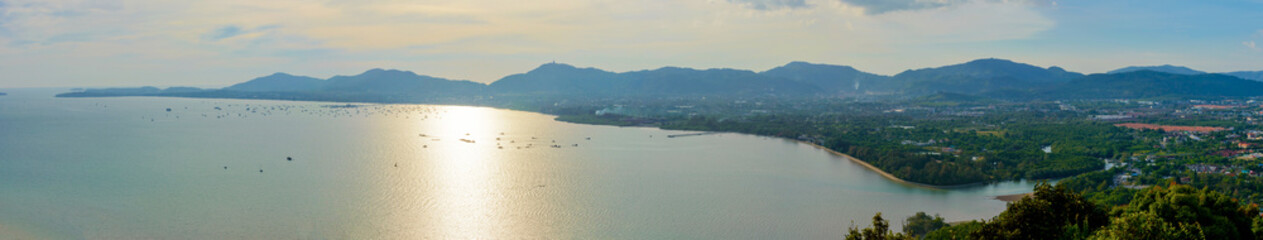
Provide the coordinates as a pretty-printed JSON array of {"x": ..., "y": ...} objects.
[
  {"x": 979, "y": 76},
  {"x": 396, "y": 82},
  {"x": 1164, "y": 68},
  {"x": 992, "y": 78},
  {"x": 1151, "y": 84},
  {"x": 564, "y": 80},
  {"x": 833, "y": 79},
  {"x": 1250, "y": 75},
  {"x": 279, "y": 82},
  {"x": 560, "y": 79}
]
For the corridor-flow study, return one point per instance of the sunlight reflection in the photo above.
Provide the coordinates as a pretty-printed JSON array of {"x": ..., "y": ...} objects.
[{"x": 464, "y": 172}]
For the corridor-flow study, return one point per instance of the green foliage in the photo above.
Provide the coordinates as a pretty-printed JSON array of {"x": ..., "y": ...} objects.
[
  {"x": 1098, "y": 187},
  {"x": 1217, "y": 215},
  {"x": 1053, "y": 213},
  {"x": 879, "y": 231},
  {"x": 1147, "y": 225},
  {"x": 1245, "y": 189},
  {"x": 958, "y": 231},
  {"x": 610, "y": 119},
  {"x": 1177, "y": 212},
  {"x": 901, "y": 145},
  {"x": 1258, "y": 227},
  {"x": 921, "y": 223}
]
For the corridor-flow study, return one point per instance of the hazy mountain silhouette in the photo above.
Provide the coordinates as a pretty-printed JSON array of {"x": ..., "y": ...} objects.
[
  {"x": 399, "y": 82},
  {"x": 965, "y": 82},
  {"x": 1164, "y": 68},
  {"x": 279, "y": 82},
  {"x": 833, "y": 79},
  {"x": 979, "y": 76},
  {"x": 1251, "y": 75},
  {"x": 1151, "y": 84},
  {"x": 562, "y": 79},
  {"x": 137, "y": 91}
]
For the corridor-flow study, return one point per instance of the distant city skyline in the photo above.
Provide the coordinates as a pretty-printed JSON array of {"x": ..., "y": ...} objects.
[{"x": 95, "y": 43}]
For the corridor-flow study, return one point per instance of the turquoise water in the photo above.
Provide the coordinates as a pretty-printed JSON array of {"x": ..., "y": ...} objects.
[{"x": 126, "y": 168}]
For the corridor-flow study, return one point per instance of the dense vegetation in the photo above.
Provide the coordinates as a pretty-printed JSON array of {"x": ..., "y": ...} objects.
[
  {"x": 1057, "y": 212},
  {"x": 947, "y": 151},
  {"x": 983, "y": 121}
]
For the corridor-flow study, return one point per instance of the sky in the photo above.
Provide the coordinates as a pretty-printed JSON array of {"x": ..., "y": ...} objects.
[{"x": 98, "y": 43}]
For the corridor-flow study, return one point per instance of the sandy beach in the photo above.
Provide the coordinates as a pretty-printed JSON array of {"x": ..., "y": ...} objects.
[
  {"x": 871, "y": 167},
  {"x": 1013, "y": 197},
  {"x": 1005, "y": 198}
]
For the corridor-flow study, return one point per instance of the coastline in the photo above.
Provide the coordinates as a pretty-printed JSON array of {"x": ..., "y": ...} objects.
[
  {"x": 883, "y": 173},
  {"x": 879, "y": 171}
]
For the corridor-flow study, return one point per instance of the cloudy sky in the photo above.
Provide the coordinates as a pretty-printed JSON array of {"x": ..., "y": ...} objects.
[{"x": 72, "y": 43}]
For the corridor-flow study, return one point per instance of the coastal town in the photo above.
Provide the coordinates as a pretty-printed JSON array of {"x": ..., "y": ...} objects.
[{"x": 950, "y": 140}]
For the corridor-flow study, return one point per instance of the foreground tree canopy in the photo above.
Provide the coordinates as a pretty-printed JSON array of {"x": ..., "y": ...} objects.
[{"x": 1055, "y": 212}]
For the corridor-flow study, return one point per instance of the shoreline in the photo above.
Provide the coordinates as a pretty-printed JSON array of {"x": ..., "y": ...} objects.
[
  {"x": 883, "y": 173},
  {"x": 870, "y": 167}
]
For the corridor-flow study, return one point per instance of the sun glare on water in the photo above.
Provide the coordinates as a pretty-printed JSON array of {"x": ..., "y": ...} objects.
[{"x": 455, "y": 156}]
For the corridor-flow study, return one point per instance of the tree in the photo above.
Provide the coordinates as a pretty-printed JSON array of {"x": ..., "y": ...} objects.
[
  {"x": 1147, "y": 225},
  {"x": 1053, "y": 212},
  {"x": 958, "y": 231},
  {"x": 879, "y": 231},
  {"x": 920, "y": 224},
  {"x": 1217, "y": 215},
  {"x": 1258, "y": 228}
]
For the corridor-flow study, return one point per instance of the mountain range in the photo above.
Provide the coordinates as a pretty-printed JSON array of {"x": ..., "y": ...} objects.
[
  {"x": 1153, "y": 84},
  {"x": 556, "y": 79},
  {"x": 980, "y": 76},
  {"x": 1249, "y": 75},
  {"x": 1163, "y": 68},
  {"x": 996, "y": 78},
  {"x": 830, "y": 78}
]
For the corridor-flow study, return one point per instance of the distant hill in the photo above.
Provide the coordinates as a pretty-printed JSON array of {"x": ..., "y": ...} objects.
[
  {"x": 831, "y": 78},
  {"x": 139, "y": 91},
  {"x": 978, "y": 76},
  {"x": 978, "y": 81},
  {"x": 1255, "y": 75},
  {"x": 279, "y": 82},
  {"x": 687, "y": 81},
  {"x": 2, "y": 94},
  {"x": 399, "y": 82},
  {"x": 1163, "y": 68},
  {"x": 1152, "y": 84},
  {"x": 378, "y": 81},
  {"x": 560, "y": 79}
]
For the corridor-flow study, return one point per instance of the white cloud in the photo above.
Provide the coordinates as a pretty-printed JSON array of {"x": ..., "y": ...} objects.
[
  {"x": 772, "y": 4},
  {"x": 883, "y": 6},
  {"x": 1250, "y": 45}
]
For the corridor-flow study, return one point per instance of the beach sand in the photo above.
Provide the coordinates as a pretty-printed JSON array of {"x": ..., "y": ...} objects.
[
  {"x": 1013, "y": 197},
  {"x": 878, "y": 170}
]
